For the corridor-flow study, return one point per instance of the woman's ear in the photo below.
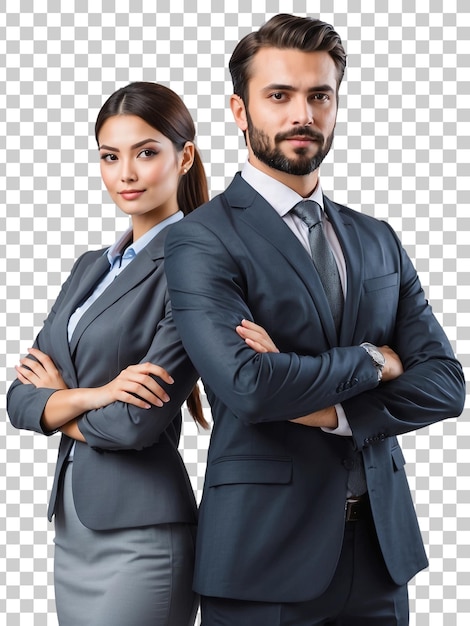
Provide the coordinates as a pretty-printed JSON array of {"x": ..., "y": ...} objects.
[
  {"x": 187, "y": 157},
  {"x": 239, "y": 112}
]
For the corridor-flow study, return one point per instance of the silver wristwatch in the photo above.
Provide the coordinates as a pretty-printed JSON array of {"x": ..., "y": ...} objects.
[{"x": 376, "y": 356}]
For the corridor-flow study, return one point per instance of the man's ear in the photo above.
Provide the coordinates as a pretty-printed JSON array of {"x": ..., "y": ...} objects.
[{"x": 239, "y": 112}]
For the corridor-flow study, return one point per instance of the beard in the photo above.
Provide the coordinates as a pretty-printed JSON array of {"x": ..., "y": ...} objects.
[{"x": 273, "y": 156}]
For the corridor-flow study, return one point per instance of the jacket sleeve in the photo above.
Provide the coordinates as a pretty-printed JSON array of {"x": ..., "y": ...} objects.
[
  {"x": 209, "y": 300},
  {"x": 120, "y": 426},
  {"x": 207, "y": 291},
  {"x": 432, "y": 386},
  {"x": 25, "y": 403}
]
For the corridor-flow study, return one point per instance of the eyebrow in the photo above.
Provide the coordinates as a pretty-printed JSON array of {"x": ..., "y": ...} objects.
[
  {"x": 281, "y": 87},
  {"x": 139, "y": 144}
]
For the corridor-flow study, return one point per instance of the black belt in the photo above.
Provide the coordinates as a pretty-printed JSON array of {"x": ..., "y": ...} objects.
[{"x": 357, "y": 508}]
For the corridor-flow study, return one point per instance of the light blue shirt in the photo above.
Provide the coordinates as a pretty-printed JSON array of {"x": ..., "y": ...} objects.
[{"x": 120, "y": 255}]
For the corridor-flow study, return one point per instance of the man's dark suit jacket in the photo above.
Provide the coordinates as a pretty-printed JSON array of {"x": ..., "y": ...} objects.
[
  {"x": 272, "y": 516},
  {"x": 130, "y": 472}
]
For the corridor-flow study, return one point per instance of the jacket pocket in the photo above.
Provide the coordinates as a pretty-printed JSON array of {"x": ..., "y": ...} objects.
[
  {"x": 381, "y": 282},
  {"x": 231, "y": 470},
  {"x": 398, "y": 458}
]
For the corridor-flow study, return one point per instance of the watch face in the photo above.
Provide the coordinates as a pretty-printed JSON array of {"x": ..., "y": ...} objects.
[
  {"x": 375, "y": 353},
  {"x": 378, "y": 357}
]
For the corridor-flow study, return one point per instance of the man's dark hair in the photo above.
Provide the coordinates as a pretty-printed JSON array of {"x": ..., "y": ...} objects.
[{"x": 285, "y": 31}]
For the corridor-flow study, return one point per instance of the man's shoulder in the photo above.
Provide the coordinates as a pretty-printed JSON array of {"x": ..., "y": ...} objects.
[
  {"x": 238, "y": 194},
  {"x": 353, "y": 214}
]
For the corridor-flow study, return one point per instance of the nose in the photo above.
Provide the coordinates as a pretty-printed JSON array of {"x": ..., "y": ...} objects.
[
  {"x": 128, "y": 172},
  {"x": 302, "y": 112}
]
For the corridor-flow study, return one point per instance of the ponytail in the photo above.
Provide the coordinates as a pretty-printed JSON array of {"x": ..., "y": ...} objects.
[
  {"x": 164, "y": 110},
  {"x": 192, "y": 188},
  {"x": 192, "y": 192}
]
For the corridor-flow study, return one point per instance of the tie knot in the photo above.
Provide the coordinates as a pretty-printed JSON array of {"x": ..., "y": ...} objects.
[{"x": 309, "y": 212}]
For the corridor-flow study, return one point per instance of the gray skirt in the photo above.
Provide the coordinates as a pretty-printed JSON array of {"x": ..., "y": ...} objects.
[{"x": 129, "y": 577}]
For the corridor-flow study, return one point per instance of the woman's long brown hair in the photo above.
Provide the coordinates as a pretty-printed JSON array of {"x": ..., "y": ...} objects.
[{"x": 163, "y": 109}]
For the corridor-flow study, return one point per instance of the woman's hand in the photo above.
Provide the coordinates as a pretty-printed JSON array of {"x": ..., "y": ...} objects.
[
  {"x": 136, "y": 385},
  {"x": 40, "y": 371},
  {"x": 256, "y": 337}
]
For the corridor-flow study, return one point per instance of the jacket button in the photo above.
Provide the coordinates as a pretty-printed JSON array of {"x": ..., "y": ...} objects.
[{"x": 348, "y": 464}]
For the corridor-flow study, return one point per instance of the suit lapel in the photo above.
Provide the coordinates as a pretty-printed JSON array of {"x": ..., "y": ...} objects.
[
  {"x": 260, "y": 216},
  {"x": 264, "y": 219},
  {"x": 143, "y": 265},
  {"x": 80, "y": 287}
]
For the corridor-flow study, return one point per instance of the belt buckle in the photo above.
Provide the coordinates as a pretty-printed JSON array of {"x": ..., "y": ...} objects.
[{"x": 353, "y": 509}]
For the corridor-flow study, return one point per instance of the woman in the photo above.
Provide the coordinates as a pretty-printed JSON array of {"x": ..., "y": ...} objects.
[{"x": 108, "y": 370}]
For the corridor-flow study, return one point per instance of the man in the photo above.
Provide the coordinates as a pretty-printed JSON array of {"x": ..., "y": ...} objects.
[{"x": 290, "y": 534}]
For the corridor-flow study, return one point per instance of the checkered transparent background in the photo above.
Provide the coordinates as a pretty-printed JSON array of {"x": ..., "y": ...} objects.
[{"x": 401, "y": 153}]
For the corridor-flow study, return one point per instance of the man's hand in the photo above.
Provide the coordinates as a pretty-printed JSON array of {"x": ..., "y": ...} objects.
[
  {"x": 256, "y": 337},
  {"x": 325, "y": 418},
  {"x": 393, "y": 367}
]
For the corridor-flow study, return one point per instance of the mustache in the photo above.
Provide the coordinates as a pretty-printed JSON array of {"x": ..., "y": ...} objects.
[{"x": 302, "y": 131}]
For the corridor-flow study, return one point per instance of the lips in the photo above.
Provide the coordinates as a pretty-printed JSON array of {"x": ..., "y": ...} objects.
[
  {"x": 131, "y": 194},
  {"x": 301, "y": 141}
]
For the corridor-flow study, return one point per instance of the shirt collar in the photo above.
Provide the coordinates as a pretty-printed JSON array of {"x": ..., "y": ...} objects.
[
  {"x": 279, "y": 196},
  {"x": 121, "y": 247}
]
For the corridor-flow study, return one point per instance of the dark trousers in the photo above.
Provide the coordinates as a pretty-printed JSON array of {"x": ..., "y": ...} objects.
[{"x": 361, "y": 593}]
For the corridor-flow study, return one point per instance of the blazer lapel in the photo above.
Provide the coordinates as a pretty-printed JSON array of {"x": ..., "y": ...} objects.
[
  {"x": 76, "y": 294},
  {"x": 260, "y": 216},
  {"x": 144, "y": 264}
]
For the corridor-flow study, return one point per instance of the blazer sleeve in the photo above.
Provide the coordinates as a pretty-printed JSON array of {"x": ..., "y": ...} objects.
[
  {"x": 120, "y": 426},
  {"x": 432, "y": 386},
  {"x": 117, "y": 426},
  {"x": 209, "y": 300},
  {"x": 207, "y": 291},
  {"x": 25, "y": 403}
]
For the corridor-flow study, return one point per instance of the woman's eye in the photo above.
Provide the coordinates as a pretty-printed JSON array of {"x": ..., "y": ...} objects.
[
  {"x": 147, "y": 153},
  {"x": 108, "y": 157}
]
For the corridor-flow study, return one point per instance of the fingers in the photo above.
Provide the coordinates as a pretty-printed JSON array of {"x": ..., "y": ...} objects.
[
  {"x": 21, "y": 374},
  {"x": 40, "y": 370},
  {"x": 135, "y": 385},
  {"x": 42, "y": 357},
  {"x": 256, "y": 337},
  {"x": 29, "y": 368},
  {"x": 146, "y": 388},
  {"x": 156, "y": 370}
]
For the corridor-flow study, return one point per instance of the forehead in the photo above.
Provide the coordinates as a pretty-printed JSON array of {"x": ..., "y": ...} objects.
[
  {"x": 127, "y": 129},
  {"x": 301, "y": 70}
]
